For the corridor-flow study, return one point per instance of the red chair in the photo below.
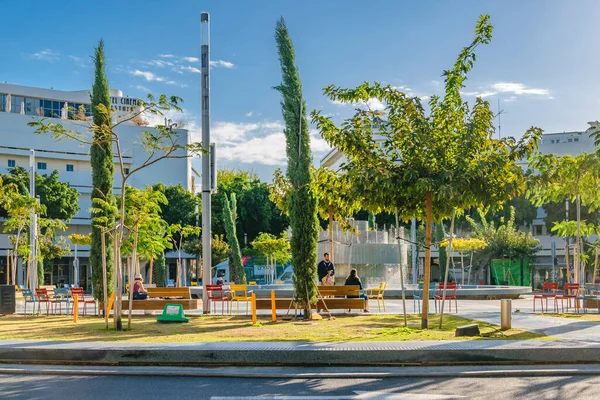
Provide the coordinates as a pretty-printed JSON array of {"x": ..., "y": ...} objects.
[
  {"x": 570, "y": 291},
  {"x": 450, "y": 294},
  {"x": 82, "y": 299},
  {"x": 549, "y": 291},
  {"x": 43, "y": 297},
  {"x": 216, "y": 293}
]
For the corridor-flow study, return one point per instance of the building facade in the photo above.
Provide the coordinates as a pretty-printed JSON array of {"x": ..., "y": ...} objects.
[{"x": 20, "y": 105}]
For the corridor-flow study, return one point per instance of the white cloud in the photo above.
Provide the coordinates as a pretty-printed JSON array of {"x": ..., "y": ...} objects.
[
  {"x": 518, "y": 88},
  {"x": 192, "y": 59},
  {"x": 75, "y": 58},
  {"x": 149, "y": 76},
  {"x": 402, "y": 88},
  {"x": 510, "y": 99},
  {"x": 179, "y": 71},
  {"x": 479, "y": 94},
  {"x": 166, "y": 55},
  {"x": 160, "y": 63},
  {"x": 221, "y": 63},
  {"x": 190, "y": 69},
  {"x": 317, "y": 143},
  {"x": 249, "y": 114},
  {"x": 425, "y": 98},
  {"x": 142, "y": 88},
  {"x": 375, "y": 105},
  {"x": 46, "y": 55},
  {"x": 337, "y": 102}
]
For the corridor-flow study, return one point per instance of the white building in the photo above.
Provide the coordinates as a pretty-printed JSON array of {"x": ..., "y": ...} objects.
[
  {"x": 571, "y": 143},
  {"x": 20, "y": 105}
]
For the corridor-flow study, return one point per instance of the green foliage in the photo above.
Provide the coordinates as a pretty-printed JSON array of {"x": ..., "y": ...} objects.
[
  {"x": 273, "y": 247},
  {"x": 503, "y": 240},
  {"x": 81, "y": 240},
  {"x": 256, "y": 212},
  {"x": 101, "y": 153},
  {"x": 302, "y": 202},
  {"x": 238, "y": 274},
  {"x": 220, "y": 248},
  {"x": 556, "y": 211},
  {"x": 143, "y": 219},
  {"x": 180, "y": 207},
  {"x": 161, "y": 270},
  {"x": 59, "y": 199}
]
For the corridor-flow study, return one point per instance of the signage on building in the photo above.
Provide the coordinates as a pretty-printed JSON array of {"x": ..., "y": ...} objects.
[{"x": 124, "y": 103}]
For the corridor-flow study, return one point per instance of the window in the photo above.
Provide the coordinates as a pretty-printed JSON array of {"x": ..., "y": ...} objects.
[
  {"x": 70, "y": 168},
  {"x": 537, "y": 230},
  {"x": 576, "y": 139},
  {"x": 570, "y": 140},
  {"x": 126, "y": 170},
  {"x": 41, "y": 165},
  {"x": 12, "y": 163}
]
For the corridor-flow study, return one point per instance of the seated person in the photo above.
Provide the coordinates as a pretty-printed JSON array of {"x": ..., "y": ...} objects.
[
  {"x": 328, "y": 279},
  {"x": 139, "y": 293},
  {"x": 354, "y": 280}
]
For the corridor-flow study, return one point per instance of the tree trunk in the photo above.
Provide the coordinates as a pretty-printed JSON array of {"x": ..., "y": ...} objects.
[
  {"x": 104, "y": 278},
  {"x": 150, "y": 262},
  {"x": 595, "y": 267},
  {"x": 118, "y": 278},
  {"x": 447, "y": 265},
  {"x": 401, "y": 269},
  {"x": 331, "y": 233},
  {"x": 132, "y": 269},
  {"x": 462, "y": 265},
  {"x": 427, "y": 264},
  {"x": 8, "y": 271},
  {"x": 567, "y": 261}
]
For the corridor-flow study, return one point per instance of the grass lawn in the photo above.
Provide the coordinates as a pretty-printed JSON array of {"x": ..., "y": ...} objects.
[
  {"x": 239, "y": 328},
  {"x": 589, "y": 316}
]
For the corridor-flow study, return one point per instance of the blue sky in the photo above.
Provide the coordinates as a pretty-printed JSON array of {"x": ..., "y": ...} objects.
[{"x": 543, "y": 62}]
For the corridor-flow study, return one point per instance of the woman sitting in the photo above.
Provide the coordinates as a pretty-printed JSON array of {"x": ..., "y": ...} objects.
[
  {"x": 354, "y": 280},
  {"x": 139, "y": 293}
]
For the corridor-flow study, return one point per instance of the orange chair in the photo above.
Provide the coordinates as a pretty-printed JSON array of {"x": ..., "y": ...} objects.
[
  {"x": 216, "y": 293},
  {"x": 549, "y": 291},
  {"x": 570, "y": 291},
  {"x": 450, "y": 294}
]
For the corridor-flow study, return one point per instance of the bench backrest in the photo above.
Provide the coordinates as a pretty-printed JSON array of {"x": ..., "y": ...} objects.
[
  {"x": 182, "y": 292},
  {"x": 339, "y": 290}
]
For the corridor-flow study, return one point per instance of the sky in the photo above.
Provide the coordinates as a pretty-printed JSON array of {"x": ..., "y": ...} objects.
[{"x": 542, "y": 65}]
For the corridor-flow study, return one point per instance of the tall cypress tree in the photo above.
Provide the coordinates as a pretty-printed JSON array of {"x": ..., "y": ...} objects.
[
  {"x": 235, "y": 259},
  {"x": 302, "y": 203},
  {"x": 102, "y": 172}
]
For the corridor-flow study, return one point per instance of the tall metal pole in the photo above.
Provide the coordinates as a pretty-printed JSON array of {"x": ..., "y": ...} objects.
[
  {"x": 206, "y": 184},
  {"x": 33, "y": 227}
]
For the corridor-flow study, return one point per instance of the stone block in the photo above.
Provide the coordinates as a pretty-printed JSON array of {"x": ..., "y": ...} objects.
[{"x": 467, "y": 330}]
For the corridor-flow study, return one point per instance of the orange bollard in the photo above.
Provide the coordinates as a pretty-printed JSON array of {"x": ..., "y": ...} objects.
[
  {"x": 273, "y": 307},
  {"x": 75, "y": 308},
  {"x": 253, "y": 308}
]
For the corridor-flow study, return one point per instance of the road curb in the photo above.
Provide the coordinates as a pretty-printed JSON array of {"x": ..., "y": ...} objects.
[
  {"x": 296, "y": 373},
  {"x": 492, "y": 352}
]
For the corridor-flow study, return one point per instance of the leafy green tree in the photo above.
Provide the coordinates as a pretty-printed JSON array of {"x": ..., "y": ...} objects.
[
  {"x": 556, "y": 211},
  {"x": 256, "y": 212},
  {"x": 101, "y": 154},
  {"x": 567, "y": 177},
  {"x": 273, "y": 248},
  {"x": 180, "y": 207},
  {"x": 302, "y": 203},
  {"x": 60, "y": 200},
  {"x": 235, "y": 257},
  {"x": 50, "y": 245},
  {"x": 179, "y": 233},
  {"x": 161, "y": 270},
  {"x": 503, "y": 240},
  {"x": 220, "y": 248},
  {"x": 423, "y": 163},
  {"x": 159, "y": 143}
]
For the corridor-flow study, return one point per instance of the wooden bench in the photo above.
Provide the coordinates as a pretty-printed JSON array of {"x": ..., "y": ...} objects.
[
  {"x": 335, "y": 298},
  {"x": 166, "y": 296}
]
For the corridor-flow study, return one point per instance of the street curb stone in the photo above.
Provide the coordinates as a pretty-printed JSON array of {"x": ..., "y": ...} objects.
[{"x": 300, "y": 354}]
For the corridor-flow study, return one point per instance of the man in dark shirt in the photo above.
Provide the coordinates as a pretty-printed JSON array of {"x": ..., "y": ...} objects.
[{"x": 324, "y": 267}]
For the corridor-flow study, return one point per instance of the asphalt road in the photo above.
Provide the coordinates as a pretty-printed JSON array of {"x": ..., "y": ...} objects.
[{"x": 104, "y": 387}]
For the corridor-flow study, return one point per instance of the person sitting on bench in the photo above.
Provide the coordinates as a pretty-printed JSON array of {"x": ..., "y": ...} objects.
[
  {"x": 354, "y": 280},
  {"x": 139, "y": 293}
]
